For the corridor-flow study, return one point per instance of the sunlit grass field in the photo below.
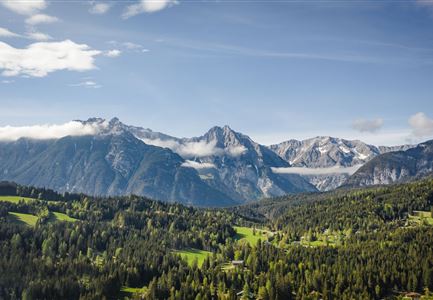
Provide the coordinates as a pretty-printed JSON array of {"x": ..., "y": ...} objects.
[
  {"x": 191, "y": 254},
  {"x": 15, "y": 199},
  {"x": 62, "y": 217},
  {"x": 28, "y": 219},
  {"x": 247, "y": 234}
]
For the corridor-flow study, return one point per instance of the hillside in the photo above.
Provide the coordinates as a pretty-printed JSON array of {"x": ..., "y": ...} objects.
[
  {"x": 106, "y": 164},
  {"x": 136, "y": 247},
  {"x": 220, "y": 168}
]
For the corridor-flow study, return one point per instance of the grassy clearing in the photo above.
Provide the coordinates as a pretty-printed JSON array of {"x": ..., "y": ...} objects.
[
  {"x": 15, "y": 199},
  {"x": 325, "y": 239},
  {"x": 27, "y": 219},
  {"x": 126, "y": 291},
  {"x": 191, "y": 254},
  {"x": 317, "y": 243},
  {"x": 421, "y": 218},
  {"x": 227, "y": 267},
  {"x": 62, "y": 217},
  {"x": 30, "y": 220},
  {"x": 247, "y": 234}
]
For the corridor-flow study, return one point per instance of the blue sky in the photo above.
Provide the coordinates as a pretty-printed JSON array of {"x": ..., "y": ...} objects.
[{"x": 274, "y": 70}]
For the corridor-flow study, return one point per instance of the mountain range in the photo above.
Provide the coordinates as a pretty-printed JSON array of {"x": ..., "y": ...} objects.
[
  {"x": 398, "y": 166},
  {"x": 327, "y": 162},
  {"x": 220, "y": 168}
]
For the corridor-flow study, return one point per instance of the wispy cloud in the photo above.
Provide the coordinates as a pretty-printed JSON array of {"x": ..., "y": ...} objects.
[
  {"x": 4, "y": 32},
  {"x": 147, "y": 6},
  {"x": 112, "y": 53},
  {"x": 197, "y": 165},
  {"x": 425, "y": 3},
  {"x": 40, "y": 59},
  {"x": 41, "y": 19},
  {"x": 190, "y": 149},
  {"x": 38, "y": 36},
  {"x": 132, "y": 46},
  {"x": 421, "y": 125},
  {"x": 25, "y": 7},
  {"x": 87, "y": 84},
  {"x": 364, "y": 125},
  {"x": 99, "y": 8},
  {"x": 48, "y": 131},
  {"x": 317, "y": 171},
  {"x": 129, "y": 47},
  {"x": 227, "y": 49}
]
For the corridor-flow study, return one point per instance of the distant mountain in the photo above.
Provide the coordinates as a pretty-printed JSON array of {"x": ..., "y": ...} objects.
[
  {"x": 113, "y": 162},
  {"x": 333, "y": 159},
  {"x": 220, "y": 168},
  {"x": 232, "y": 163},
  {"x": 325, "y": 151},
  {"x": 395, "y": 166}
]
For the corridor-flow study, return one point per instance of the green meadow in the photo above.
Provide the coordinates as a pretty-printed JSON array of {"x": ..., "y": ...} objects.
[
  {"x": 15, "y": 199},
  {"x": 62, "y": 217},
  {"x": 27, "y": 219},
  {"x": 421, "y": 218},
  {"x": 247, "y": 234},
  {"x": 191, "y": 254}
]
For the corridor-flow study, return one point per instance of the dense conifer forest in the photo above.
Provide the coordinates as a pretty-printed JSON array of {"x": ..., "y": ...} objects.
[{"x": 369, "y": 243}]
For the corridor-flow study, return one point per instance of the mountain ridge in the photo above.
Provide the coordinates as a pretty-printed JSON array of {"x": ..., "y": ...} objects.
[{"x": 220, "y": 167}]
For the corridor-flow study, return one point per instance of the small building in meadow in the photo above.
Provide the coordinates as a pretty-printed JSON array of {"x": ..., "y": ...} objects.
[{"x": 237, "y": 263}]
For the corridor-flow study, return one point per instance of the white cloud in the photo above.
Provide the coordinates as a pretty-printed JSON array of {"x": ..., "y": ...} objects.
[
  {"x": 99, "y": 8},
  {"x": 188, "y": 149},
  {"x": 74, "y": 128},
  {"x": 41, "y": 19},
  {"x": 38, "y": 36},
  {"x": 39, "y": 59},
  {"x": 27, "y": 7},
  {"x": 199, "y": 149},
  {"x": 421, "y": 125},
  {"x": 147, "y": 6},
  {"x": 197, "y": 165},
  {"x": 427, "y": 3},
  {"x": 128, "y": 46},
  {"x": 236, "y": 150},
  {"x": 364, "y": 125},
  {"x": 132, "y": 46},
  {"x": 317, "y": 171},
  {"x": 4, "y": 32},
  {"x": 87, "y": 84},
  {"x": 112, "y": 53}
]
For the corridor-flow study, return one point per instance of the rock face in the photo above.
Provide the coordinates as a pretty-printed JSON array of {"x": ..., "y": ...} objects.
[
  {"x": 110, "y": 163},
  {"x": 220, "y": 168},
  {"x": 395, "y": 166},
  {"x": 233, "y": 163},
  {"x": 339, "y": 157}
]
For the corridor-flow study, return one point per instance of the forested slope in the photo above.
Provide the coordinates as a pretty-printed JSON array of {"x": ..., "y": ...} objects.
[{"x": 359, "y": 244}]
